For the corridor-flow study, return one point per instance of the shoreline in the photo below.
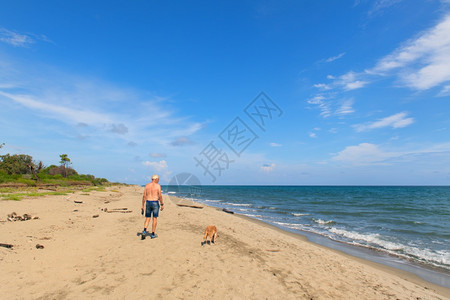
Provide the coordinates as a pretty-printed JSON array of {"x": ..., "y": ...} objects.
[
  {"x": 356, "y": 255},
  {"x": 423, "y": 273},
  {"x": 414, "y": 260},
  {"x": 77, "y": 249}
]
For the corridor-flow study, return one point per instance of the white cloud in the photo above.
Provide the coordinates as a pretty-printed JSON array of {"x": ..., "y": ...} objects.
[
  {"x": 328, "y": 107},
  {"x": 445, "y": 90},
  {"x": 346, "y": 107},
  {"x": 21, "y": 40},
  {"x": 346, "y": 82},
  {"x": 333, "y": 130},
  {"x": 312, "y": 135},
  {"x": 160, "y": 167},
  {"x": 331, "y": 59},
  {"x": 188, "y": 129},
  {"x": 62, "y": 113},
  {"x": 362, "y": 154},
  {"x": 423, "y": 62},
  {"x": 355, "y": 85},
  {"x": 157, "y": 166},
  {"x": 369, "y": 154},
  {"x": 398, "y": 120},
  {"x": 316, "y": 100},
  {"x": 275, "y": 145},
  {"x": 323, "y": 105},
  {"x": 350, "y": 81},
  {"x": 15, "y": 39},
  {"x": 268, "y": 167},
  {"x": 380, "y": 5},
  {"x": 322, "y": 86}
]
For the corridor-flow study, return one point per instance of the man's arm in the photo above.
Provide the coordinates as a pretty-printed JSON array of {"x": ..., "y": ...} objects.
[
  {"x": 160, "y": 197},
  {"x": 143, "y": 198}
]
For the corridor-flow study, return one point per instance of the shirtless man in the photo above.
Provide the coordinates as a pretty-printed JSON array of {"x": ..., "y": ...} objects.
[{"x": 151, "y": 204}]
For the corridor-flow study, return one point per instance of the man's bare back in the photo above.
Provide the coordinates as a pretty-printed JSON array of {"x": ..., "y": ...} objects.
[{"x": 152, "y": 191}]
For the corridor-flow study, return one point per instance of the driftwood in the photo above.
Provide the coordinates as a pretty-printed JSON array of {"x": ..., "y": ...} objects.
[
  {"x": 117, "y": 210},
  {"x": 192, "y": 206},
  {"x": 39, "y": 246},
  {"x": 122, "y": 208},
  {"x": 6, "y": 245},
  {"x": 78, "y": 201},
  {"x": 12, "y": 217},
  {"x": 95, "y": 216},
  {"x": 227, "y": 211}
]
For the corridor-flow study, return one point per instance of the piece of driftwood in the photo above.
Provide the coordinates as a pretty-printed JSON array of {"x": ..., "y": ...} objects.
[
  {"x": 77, "y": 201},
  {"x": 192, "y": 206},
  {"x": 228, "y": 211},
  {"x": 95, "y": 216},
  {"x": 39, "y": 246},
  {"x": 119, "y": 211},
  {"x": 6, "y": 245},
  {"x": 12, "y": 217},
  {"x": 115, "y": 209}
]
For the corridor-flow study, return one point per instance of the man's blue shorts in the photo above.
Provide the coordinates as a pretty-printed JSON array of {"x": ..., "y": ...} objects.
[{"x": 151, "y": 207}]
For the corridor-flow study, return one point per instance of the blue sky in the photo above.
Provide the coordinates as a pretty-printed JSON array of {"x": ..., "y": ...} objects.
[{"x": 233, "y": 92}]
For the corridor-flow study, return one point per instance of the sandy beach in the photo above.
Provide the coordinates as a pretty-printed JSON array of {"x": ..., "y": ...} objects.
[{"x": 92, "y": 253}]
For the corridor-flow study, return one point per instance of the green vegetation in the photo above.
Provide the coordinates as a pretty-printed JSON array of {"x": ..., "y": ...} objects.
[
  {"x": 98, "y": 189},
  {"x": 21, "y": 170},
  {"x": 13, "y": 195}
]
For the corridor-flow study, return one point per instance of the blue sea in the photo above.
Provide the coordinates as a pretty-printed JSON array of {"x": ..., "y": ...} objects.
[{"x": 406, "y": 223}]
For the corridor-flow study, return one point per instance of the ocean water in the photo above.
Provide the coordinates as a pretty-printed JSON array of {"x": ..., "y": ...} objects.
[{"x": 412, "y": 223}]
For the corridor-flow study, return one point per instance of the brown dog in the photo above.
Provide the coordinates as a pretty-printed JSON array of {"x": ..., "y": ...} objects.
[{"x": 210, "y": 231}]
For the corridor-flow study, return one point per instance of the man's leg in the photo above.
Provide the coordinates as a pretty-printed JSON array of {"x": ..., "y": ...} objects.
[
  {"x": 155, "y": 221},
  {"x": 147, "y": 221},
  {"x": 144, "y": 232}
]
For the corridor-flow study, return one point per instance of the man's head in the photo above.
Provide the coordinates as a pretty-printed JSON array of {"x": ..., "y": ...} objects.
[{"x": 155, "y": 178}]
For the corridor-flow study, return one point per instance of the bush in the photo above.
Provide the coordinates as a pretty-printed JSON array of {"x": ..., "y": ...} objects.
[
  {"x": 16, "y": 164},
  {"x": 61, "y": 170},
  {"x": 28, "y": 182},
  {"x": 99, "y": 181},
  {"x": 4, "y": 177}
]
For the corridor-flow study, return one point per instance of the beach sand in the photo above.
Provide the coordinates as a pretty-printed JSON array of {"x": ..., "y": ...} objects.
[{"x": 102, "y": 257}]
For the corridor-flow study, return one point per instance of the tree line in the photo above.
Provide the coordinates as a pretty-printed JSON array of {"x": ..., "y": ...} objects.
[{"x": 23, "y": 168}]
